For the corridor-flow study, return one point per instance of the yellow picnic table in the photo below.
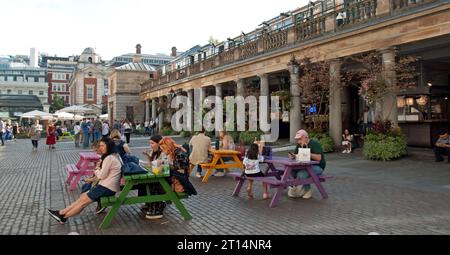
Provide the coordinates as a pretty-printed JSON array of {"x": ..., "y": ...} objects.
[
  {"x": 66, "y": 135},
  {"x": 219, "y": 163}
]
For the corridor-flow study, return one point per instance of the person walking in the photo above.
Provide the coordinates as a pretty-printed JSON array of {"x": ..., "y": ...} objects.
[
  {"x": 105, "y": 129},
  {"x": 2, "y": 130},
  {"x": 77, "y": 133},
  {"x": 127, "y": 130},
  {"x": 85, "y": 127},
  {"x": 35, "y": 134},
  {"x": 16, "y": 131},
  {"x": 51, "y": 136},
  {"x": 97, "y": 129}
]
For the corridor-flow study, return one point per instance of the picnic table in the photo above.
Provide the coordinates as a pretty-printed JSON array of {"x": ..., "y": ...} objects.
[
  {"x": 66, "y": 135},
  {"x": 130, "y": 182},
  {"x": 218, "y": 162},
  {"x": 85, "y": 166},
  {"x": 281, "y": 178}
]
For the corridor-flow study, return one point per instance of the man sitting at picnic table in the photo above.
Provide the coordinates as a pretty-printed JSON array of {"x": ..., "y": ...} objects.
[
  {"x": 200, "y": 148},
  {"x": 303, "y": 141}
]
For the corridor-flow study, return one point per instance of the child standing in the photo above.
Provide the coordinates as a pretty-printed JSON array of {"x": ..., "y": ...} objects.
[{"x": 251, "y": 165}]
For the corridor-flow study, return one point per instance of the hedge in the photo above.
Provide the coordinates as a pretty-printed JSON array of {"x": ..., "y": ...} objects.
[{"x": 385, "y": 146}]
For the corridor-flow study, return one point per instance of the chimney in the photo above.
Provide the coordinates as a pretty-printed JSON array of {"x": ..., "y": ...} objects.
[
  {"x": 174, "y": 52},
  {"x": 137, "y": 58},
  {"x": 33, "y": 57}
]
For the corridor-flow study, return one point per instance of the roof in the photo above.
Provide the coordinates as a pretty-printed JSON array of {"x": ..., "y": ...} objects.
[
  {"x": 136, "y": 67},
  {"x": 20, "y": 101},
  {"x": 88, "y": 51}
]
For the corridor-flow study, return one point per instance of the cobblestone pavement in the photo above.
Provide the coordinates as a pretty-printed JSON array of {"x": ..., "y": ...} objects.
[{"x": 408, "y": 196}]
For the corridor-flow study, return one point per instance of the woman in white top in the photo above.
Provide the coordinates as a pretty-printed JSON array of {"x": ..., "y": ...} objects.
[
  {"x": 109, "y": 175},
  {"x": 127, "y": 130},
  {"x": 76, "y": 131},
  {"x": 105, "y": 129},
  {"x": 251, "y": 166}
]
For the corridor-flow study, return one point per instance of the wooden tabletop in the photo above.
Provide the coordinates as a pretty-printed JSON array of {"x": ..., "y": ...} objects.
[{"x": 229, "y": 152}]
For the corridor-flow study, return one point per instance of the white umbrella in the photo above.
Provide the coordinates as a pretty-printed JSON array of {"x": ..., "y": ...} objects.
[
  {"x": 104, "y": 116},
  {"x": 64, "y": 116},
  {"x": 78, "y": 117},
  {"x": 75, "y": 109},
  {"x": 37, "y": 114}
]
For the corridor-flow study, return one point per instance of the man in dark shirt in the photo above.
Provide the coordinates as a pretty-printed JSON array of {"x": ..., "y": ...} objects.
[
  {"x": 442, "y": 147},
  {"x": 303, "y": 141}
]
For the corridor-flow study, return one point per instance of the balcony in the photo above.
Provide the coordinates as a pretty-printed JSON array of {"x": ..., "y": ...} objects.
[{"x": 340, "y": 18}]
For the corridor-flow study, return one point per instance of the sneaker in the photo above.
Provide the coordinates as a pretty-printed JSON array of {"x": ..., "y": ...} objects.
[
  {"x": 57, "y": 216},
  {"x": 145, "y": 208},
  {"x": 293, "y": 192},
  {"x": 198, "y": 175},
  {"x": 100, "y": 209},
  {"x": 153, "y": 214},
  {"x": 219, "y": 174},
  {"x": 344, "y": 151},
  {"x": 308, "y": 194}
]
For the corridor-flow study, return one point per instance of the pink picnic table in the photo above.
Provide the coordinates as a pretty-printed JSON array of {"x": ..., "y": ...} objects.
[
  {"x": 281, "y": 178},
  {"x": 85, "y": 166}
]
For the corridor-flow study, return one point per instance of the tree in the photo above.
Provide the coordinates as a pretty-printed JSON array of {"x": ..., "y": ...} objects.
[
  {"x": 374, "y": 78},
  {"x": 314, "y": 82},
  {"x": 213, "y": 41},
  {"x": 57, "y": 103}
]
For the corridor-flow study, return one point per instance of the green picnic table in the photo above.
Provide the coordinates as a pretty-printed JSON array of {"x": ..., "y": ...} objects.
[{"x": 132, "y": 180}]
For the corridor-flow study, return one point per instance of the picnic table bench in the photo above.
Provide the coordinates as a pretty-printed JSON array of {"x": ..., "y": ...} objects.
[
  {"x": 282, "y": 178},
  {"x": 130, "y": 181},
  {"x": 66, "y": 135},
  {"x": 218, "y": 162},
  {"x": 84, "y": 166}
]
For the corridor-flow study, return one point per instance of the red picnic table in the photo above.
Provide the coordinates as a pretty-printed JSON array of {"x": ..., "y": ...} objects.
[
  {"x": 85, "y": 166},
  {"x": 281, "y": 178}
]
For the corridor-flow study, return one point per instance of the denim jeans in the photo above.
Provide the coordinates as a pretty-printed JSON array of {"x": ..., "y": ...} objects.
[
  {"x": 1, "y": 138},
  {"x": 85, "y": 140},
  {"x": 97, "y": 135},
  {"x": 303, "y": 174}
]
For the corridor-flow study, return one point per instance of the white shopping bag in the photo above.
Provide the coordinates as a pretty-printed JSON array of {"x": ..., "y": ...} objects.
[{"x": 304, "y": 155}]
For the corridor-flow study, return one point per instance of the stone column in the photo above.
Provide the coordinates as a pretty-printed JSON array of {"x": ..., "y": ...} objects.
[
  {"x": 161, "y": 115},
  {"x": 169, "y": 110},
  {"x": 199, "y": 97},
  {"x": 389, "y": 102},
  {"x": 153, "y": 109},
  {"x": 147, "y": 110},
  {"x": 218, "y": 94},
  {"x": 190, "y": 95},
  {"x": 335, "y": 115},
  {"x": 264, "y": 90},
  {"x": 240, "y": 87},
  {"x": 295, "y": 113}
]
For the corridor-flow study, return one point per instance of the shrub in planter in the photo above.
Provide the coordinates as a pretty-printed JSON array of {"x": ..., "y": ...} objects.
[
  {"x": 248, "y": 137},
  {"x": 185, "y": 133},
  {"x": 324, "y": 139},
  {"x": 384, "y": 146},
  {"x": 165, "y": 131}
]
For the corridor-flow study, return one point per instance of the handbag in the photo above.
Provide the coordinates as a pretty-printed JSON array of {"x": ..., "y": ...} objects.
[
  {"x": 131, "y": 168},
  {"x": 304, "y": 155},
  {"x": 176, "y": 185}
]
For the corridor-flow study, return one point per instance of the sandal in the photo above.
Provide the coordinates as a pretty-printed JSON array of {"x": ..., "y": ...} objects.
[{"x": 266, "y": 195}]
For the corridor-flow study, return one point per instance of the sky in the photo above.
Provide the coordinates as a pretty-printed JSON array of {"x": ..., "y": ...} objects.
[{"x": 114, "y": 27}]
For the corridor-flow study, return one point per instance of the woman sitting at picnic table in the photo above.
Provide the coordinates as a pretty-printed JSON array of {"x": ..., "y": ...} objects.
[
  {"x": 303, "y": 141},
  {"x": 109, "y": 176},
  {"x": 251, "y": 164},
  {"x": 153, "y": 210},
  {"x": 226, "y": 143}
]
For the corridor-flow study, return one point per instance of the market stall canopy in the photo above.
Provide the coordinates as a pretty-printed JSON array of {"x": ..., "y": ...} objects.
[
  {"x": 64, "y": 116},
  {"x": 76, "y": 109},
  {"x": 104, "y": 116},
  {"x": 37, "y": 115}
]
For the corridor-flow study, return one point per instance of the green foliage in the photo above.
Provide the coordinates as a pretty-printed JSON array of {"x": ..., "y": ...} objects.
[
  {"x": 57, "y": 103},
  {"x": 248, "y": 137},
  {"x": 165, "y": 131},
  {"x": 324, "y": 139},
  {"x": 385, "y": 146},
  {"x": 185, "y": 134}
]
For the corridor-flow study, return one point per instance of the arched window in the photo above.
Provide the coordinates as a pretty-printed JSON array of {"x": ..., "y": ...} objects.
[{"x": 90, "y": 60}]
